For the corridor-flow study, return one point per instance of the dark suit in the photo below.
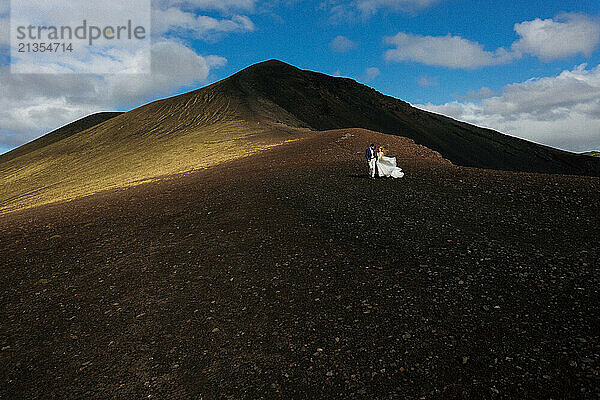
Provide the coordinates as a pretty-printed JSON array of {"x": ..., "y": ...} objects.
[{"x": 371, "y": 158}]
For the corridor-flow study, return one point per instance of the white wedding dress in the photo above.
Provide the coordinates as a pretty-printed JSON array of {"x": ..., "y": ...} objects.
[{"x": 386, "y": 166}]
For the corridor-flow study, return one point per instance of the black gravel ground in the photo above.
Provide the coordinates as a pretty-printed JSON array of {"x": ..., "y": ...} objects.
[{"x": 285, "y": 275}]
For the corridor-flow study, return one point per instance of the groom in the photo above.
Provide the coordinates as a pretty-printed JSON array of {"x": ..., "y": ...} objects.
[{"x": 370, "y": 156}]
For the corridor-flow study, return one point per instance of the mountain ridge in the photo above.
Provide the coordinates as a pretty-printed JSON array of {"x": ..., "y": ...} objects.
[
  {"x": 261, "y": 106},
  {"x": 323, "y": 102},
  {"x": 273, "y": 91}
]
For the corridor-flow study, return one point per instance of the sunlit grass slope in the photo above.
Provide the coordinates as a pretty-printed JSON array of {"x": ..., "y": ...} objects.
[{"x": 184, "y": 133}]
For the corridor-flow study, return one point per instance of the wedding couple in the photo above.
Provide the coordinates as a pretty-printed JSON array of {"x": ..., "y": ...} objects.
[{"x": 382, "y": 165}]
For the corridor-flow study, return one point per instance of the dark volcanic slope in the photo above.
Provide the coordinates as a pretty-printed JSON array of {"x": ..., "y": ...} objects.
[
  {"x": 59, "y": 134},
  {"x": 282, "y": 92},
  {"x": 285, "y": 275}
]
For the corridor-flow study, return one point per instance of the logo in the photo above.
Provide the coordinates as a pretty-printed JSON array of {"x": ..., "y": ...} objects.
[{"x": 74, "y": 36}]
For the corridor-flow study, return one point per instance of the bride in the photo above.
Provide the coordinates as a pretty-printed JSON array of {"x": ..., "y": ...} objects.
[{"x": 386, "y": 166}]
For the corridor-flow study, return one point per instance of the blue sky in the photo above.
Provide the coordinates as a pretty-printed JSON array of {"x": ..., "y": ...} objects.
[
  {"x": 303, "y": 36},
  {"x": 529, "y": 69}
]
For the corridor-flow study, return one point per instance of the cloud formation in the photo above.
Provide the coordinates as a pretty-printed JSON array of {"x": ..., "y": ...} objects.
[
  {"x": 372, "y": 73},
  {"x": 342, "y": 44},
  {"x": 350, "y": 10},
  {"x": 445, "y": 51},
  {"x": 550, "y": 39},
  {"x": 175, "y": 21},
  {"x": 225, "y": 6},
  {"x": 372, "y": 6},
  {"x": 561, "y": 111}
]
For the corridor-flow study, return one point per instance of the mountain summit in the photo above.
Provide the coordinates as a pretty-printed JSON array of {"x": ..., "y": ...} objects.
[{"x": 259, "y": 107}]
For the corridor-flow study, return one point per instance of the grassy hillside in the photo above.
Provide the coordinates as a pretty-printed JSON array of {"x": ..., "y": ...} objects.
[{"x": 166, "y": 137}]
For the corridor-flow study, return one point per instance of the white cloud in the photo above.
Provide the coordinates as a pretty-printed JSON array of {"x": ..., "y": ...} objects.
[
  {"x": 215, "y": 61},
  {"x": 564, "y": 36},
  {"x": 348, "y": 10},
  {"x": 372, "y": 6},
  {"x": 482, "y": 93},
  {"x": 173, "y": 65},
  {"x": 35, "y": 104},
  {"x": 216, "y": 5},
  {"x": 561, "y": 111},
  {"x": 372, "y": 73},
  {"x": 181, "y": 22},
  {"x": 342, "y": 44},
  {"x": 446, "y": 51},
  {"x": 548, "y": 39}
]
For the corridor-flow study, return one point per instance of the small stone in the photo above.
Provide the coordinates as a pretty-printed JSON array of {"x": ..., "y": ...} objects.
[
  {"x": 216, "y": 330},
  {"x": 406, "y": 336},
  {"x": 330, "y": 373}
]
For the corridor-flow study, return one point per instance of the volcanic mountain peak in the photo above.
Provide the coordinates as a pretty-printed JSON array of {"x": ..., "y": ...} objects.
[{"x": 272, "y": 64}]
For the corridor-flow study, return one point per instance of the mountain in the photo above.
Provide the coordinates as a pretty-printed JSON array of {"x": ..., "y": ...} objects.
[
  {"x": 262, "y": 106},
  {"x": 322, "y": 102}
]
